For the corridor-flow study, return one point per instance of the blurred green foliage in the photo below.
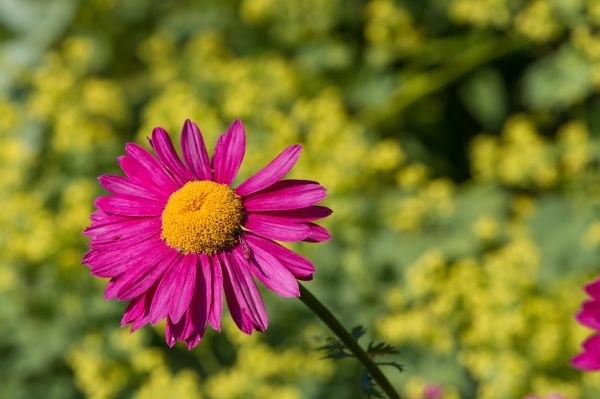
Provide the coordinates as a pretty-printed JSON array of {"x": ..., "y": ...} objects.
[{"x": 459, "y": 141}]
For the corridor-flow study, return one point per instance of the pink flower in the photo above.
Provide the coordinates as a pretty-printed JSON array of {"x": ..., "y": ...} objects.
[
  {"x": 433, "y": 391},
  {"x": 174, "y": 235},
  {"x": 589, "y": 316},
  {"x": 550, "y": 396}
]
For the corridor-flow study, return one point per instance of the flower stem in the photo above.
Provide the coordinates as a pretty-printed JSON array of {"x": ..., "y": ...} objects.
[{"x": 334, "y": 325}]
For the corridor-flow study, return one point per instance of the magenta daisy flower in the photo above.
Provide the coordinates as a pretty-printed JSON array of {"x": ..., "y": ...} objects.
[
  {"x": 589, "y": 316},
  {"x": 174, "y": 235}
]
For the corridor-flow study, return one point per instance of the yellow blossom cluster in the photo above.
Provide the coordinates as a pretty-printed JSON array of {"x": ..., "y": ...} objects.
[
  {"x": 522, "y": 158},
  {"x": 471, "y": 310},
  {"x": 391, "y": 31},
  {"x": 132, "y": 367},
  {"x": 491, "y": 309},
  {"x": 537, "y": 20}
]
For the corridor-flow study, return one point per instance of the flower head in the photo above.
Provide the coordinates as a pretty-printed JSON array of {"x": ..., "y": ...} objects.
[
  {"x": 175, "y": 235},
  {"x": 433, "y": 391},
  {"x": 589, "y": 316}
]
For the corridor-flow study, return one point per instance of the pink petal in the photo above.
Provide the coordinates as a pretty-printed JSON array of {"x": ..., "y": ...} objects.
[
  {"x": 114, "y": 263},
  {"x": 136, "y": 250},
  {"x": 141, "y": 275},
  {"x": 194, "y": 151},
  {"x": 284, "y": 195},
  {"x": 139, "y": 176},
  {"x": 307, "y": 214},
  {"x": 229, "y": 153},
  {"x": 135, "y": 310},
  {"x": 185, "y": 280},
  {"x": 298, "y": 265},
  {"x": 593, "y": 289},
  {"x": 170, "y": 288},
  {"x": 144, "y": 317},
  {"x": 110, "y": 227},
  {"x": 271, "y": 173},
  {"x": 97, "y": 215},
  {"x": 592, "y": 344},
  {"x": 124, "y": 186},
  {"x": 110, "y": 287},
  {"x": 317, "y": 233},
  {"x": 91, "y": 254},
  {"x": 216, "y": 304},
  {"x": 189, "y": 328},
  {"x": 239, "y": 316},
  {"x": 182, "y": 331},
  {"x": 129, "y": 206},
  {"x": 169, "y": 338},
  {"x": 124, "y": 235},
  {"x": 138, "y": 309},
  {"x": 275, "y": 229},
  {"x": 200, "y": 305},
  {"x": 161, "y": 142},
  {"x": 107, "y": 270},
  {"x": 178, "y": 331},
  {"x": 269, "y": 271},
  {"x": 586, "y": 361},
  {"x": 193, "y": 340},
  {"x": 590, "y": 314},
  {"x": 139, "y": 323},
  {"x": 245, "y": 293},
  {"x": 104, "y": 219},
  {"x": 151, "y": 167},
  {"x": 122, "y": 243}
]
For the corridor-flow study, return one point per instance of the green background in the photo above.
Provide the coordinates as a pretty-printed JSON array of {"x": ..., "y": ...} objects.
[{"x": 459, "y": 142}]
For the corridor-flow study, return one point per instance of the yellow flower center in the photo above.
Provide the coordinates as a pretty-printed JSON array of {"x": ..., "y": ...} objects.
[{"x": 202, "y": 217}]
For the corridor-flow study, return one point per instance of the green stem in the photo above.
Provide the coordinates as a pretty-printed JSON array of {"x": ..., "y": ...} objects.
[{"x": 334, "y": 325}]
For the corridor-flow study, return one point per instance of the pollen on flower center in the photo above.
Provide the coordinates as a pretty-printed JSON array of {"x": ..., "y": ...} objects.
[{"x": 202, "y": 217}]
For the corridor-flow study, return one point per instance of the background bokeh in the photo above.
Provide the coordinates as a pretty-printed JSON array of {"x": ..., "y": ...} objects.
[{"x": 459, "y": 141}]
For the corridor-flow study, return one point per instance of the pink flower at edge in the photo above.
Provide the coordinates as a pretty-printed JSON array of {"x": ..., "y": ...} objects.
[
  {"x": 433, "y": 391},
  {"x": 589, "y": 316},
  {"x": 174, "y": 235}
]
